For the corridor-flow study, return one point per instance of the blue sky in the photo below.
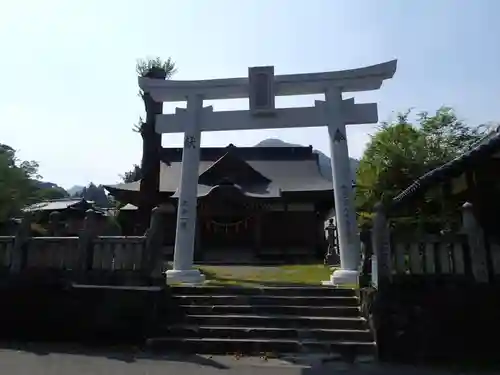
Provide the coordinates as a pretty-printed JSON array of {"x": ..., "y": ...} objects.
[{"x": 69, "y": 88}]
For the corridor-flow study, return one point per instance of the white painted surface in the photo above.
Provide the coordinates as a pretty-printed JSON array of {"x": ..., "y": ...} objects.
[
  {"x": 365, "y": 113},
  {"x": 186, "y": 214},
  {"x": 344, "y": 277},
  {"x": 192, "y": 276},
  {"x": 374, "y": 271},
  {"x": 348, "y": 238},
  {"x": 362, "y": 79}
]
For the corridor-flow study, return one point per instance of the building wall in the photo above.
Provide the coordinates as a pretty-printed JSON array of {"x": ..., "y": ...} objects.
[{"x": 275, "y": 227}]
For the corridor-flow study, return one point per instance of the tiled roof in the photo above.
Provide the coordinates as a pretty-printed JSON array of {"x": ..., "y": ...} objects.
[
  {"x": 53, "y": 205},
  {"x": 486, "y": 147},
  {"x": 283, "y": 169}
]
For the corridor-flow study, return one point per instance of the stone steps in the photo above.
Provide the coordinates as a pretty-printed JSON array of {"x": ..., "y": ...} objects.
[
  {"x": 279, "y": 321},
  {"x": 286, "y": 320},
  {"x": 291, "y": 291},
  {"x": 327, "y": 311},
  {"x": 195, "y": 331},
  {"x": 259, "y": 300}
]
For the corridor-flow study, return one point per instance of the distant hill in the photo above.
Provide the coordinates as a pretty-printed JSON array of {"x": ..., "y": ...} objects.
[
  {"x": 49, "y": 190},
  {"x": 46, "y": 185},
  {"x": 323, "y": 160},
  {"x": 75, "y": 190}
]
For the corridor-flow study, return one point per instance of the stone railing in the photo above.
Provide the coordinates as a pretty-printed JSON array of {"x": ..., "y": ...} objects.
[
  {"x": 466, "y": 254},
  {"x": 425, "y": 290},
  {"x": 87, "y": 255}
]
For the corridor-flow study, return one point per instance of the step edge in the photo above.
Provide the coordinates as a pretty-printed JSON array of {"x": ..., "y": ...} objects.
[
  {"x": 279, "y": 306},
  {"x": 279, "y": 329},
  {"x": 214, "y": 339},
  {"x": 260, "y": 295},
  {"x": 293, "y": 287},
  {"x": 272, "y": 316}
]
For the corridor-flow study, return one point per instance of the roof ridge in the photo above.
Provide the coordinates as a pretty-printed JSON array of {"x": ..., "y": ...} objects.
[
  {"x": 174, "y": 154},
  {"x": 230, "y": 155}
]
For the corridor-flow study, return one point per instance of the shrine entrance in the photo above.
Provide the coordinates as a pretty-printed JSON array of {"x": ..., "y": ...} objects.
[
  {"x": 227, "y": 231},
  {"x": 261, "y": 88},
  {"x": 227, "y": 239},
  {"x": 235, "y": 232}
]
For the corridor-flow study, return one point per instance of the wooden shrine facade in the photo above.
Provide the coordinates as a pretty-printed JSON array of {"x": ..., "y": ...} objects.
[
  {"x": 274, "y": 230},
  {"x": 252, "y": 202}
]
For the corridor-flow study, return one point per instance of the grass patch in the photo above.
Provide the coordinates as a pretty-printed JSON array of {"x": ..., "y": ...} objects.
[{"x": 266, "y": 276}]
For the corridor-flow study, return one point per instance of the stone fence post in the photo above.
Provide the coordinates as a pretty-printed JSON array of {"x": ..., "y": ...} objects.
[
  {"x": 381, "y": 258},
  {"x": 476, "y": 242},
  {"x": 86, "y": 241},
  {"x": 151, "y": 264},
  {"x": 19, "y": 254}
]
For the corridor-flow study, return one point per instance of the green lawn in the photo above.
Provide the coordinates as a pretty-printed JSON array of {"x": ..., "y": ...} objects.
[{"x": 266, "y": 275}]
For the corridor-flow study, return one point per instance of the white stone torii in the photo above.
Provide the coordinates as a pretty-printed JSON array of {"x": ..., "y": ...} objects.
[{"x": 333, "y": 112}]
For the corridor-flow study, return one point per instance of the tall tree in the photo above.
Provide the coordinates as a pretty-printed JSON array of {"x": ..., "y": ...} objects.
[
  {"x": 94, "y": 193},
  {"x": 17, "y": 187},
  {"x": 402, "y": 151},
  {"x": 133, "y": 175},
  {"x": 151, "y": 141}
]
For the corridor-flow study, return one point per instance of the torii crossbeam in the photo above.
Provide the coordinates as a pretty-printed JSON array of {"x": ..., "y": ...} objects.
[{"x": 261, "y": 87}]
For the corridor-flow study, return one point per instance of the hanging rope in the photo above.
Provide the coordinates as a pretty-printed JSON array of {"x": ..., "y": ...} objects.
[{"x": 226, "y": 226}]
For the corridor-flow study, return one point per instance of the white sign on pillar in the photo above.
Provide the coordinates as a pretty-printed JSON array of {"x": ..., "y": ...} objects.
[
  {"x": 348, "y": 239},
  {"x": 188, "y": 190},
  {"x": 261, "y": 87}
]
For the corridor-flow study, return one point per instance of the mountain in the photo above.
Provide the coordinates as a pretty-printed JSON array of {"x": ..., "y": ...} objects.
[
  {"x": 46, "y": 185},
  {"x": 75, "y": 190},
  {"x": 323, "y": 160},
  {"x": 48, "y": 190}
]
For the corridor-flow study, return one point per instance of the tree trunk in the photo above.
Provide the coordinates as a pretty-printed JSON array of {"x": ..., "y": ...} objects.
[{"x": 150, "y": 164}]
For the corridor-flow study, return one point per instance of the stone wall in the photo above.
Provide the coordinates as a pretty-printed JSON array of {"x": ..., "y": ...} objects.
[
  {"x": 51, "y": 310},
  {"x": 417, "y": 320}
]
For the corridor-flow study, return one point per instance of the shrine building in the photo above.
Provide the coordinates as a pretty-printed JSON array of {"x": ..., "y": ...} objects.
[{"x": 252, "y": 203}]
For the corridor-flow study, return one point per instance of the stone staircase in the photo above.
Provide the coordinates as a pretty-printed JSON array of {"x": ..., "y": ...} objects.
[{"x": 278, "y": 320}]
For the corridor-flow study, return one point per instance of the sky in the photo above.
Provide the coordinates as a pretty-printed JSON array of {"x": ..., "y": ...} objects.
[{"x": 69, "y": 87}]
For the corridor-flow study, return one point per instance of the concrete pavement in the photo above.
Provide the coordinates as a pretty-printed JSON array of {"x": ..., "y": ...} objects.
[{"x": 37, "y": 360}]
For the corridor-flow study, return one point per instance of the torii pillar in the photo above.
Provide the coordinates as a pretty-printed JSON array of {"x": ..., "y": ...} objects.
[{"x": 261, "y": 87}]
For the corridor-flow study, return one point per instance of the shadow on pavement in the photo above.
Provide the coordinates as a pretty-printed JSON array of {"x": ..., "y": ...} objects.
[{"x": 127, "y": 354}]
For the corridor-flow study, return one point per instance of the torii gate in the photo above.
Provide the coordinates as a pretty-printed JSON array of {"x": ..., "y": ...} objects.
[{"x": 261, "y": 87}]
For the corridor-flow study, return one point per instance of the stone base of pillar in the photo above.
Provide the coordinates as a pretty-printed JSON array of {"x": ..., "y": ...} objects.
[
  {"x": 340, "y": 277},
  {"x": 192, "y": 276}
]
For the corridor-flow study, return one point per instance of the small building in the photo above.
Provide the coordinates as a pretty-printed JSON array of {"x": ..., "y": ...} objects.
[
  {"x": 71, "y": 213},
  {"x": 472, "y": 177},
  {"x": 252, "y": 201}
]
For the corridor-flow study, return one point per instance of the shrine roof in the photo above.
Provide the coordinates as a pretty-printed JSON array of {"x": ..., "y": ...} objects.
[
  {"x": 269, "y": 171},
  {"x": 58, "y": 204}
]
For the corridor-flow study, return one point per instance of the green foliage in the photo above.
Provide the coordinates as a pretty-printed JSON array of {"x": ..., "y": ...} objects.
[
  {"x": 50, "y": 193},
  {"x": 401, "y": 151},
  {"x": 133, "y": 175},
  {"x": 156, "y": 68},
  {"x": 17, "y": 182},
  {"x": 139, "y": 127}
]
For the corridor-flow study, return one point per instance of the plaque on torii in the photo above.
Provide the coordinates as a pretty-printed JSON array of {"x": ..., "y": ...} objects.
[{"x": 261, "y": 87}]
